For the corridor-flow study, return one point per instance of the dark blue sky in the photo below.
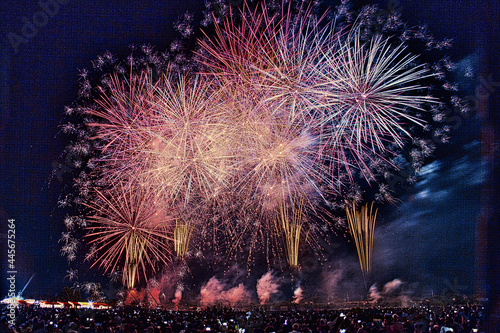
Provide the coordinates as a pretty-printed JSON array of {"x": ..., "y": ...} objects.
[{"x": 38, "y": 76}]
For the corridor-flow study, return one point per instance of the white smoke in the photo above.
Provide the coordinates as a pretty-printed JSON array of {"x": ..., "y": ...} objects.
[
  {"x": 343, "y": 281},
  {"x": 392, "y": 286},
  {"x": 389, "y": 292},
  {"x": 237, "y": 295},
  {"x": 211, "y": 292},
  {"x": 373, "y": 294},
  {"x": 267, "y": 286},
  {"x": 332, "y": 281},
  {"x": 405, "y": 301},
  {"x": 298, "y": 295},
  {"x": 215, "y": 291},
  {"x": 178, "y": 295}
]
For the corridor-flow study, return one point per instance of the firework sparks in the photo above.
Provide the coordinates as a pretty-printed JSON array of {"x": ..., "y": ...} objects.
[
  {"x": 369, "y": 89},
  {"x": 286, "y": 107},
  {"x": 191, "y": 148},
  {"x": 362, "y": 228},
  {"x": 129, "y": 231},
  {"x": 124, "y": 116},
  {"x": 291, "y": 227},
  {"x": 182, "y": 236}
]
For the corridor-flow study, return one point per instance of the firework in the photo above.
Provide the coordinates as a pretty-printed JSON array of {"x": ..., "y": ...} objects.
[
  {"x": 291, "y": 227},
  {"x": 362, "y": 228},
  {"x": 369, "y": 90},
  {"x": 265, "y": 65},
  {"x": 129, "y": 231},
  {"x": 182, "y": 236},
  {"x": 285, "y": 107},
  {"x": 190, "y": 152},
  {"x": 269, "y": 53},
  {"x": 72, "y": 274},
  {"x": 124, "y": 114}
]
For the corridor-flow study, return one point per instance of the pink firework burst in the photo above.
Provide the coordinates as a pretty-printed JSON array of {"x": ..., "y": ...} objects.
[{"x": 130, "y": 231}]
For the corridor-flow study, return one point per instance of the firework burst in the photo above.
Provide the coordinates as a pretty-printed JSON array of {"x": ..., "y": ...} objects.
[
  {"x": 288, "y": 115},
  {"x": 190, "y": 151},
  {"x": 265, "y": 63},
  {"x": 130, "y": 231},
  {"x": 370, "y": 91},
  {"x": 124, "y": 114}
]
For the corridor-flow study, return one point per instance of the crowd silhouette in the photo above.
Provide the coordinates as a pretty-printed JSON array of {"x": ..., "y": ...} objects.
[{"x": 417, "y": 319}]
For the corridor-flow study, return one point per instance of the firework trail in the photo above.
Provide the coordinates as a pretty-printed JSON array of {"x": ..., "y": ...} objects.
[
  {"x": 362, "y": 229},
  {"x": 182, "y": 236},
  {"x": 291, "y": 227}
]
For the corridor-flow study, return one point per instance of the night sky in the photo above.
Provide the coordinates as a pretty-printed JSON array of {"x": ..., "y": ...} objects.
[{"x": 429, "y": 241}]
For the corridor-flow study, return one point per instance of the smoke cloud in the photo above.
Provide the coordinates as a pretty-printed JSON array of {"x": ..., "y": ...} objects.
[
  {"x": 178, "y": 295},
  {"x": 429, "y": 239},
  {"x": 343, "y": 281},
  {"x": 392, "y": 293},
  {"x": 217, "y": 292},
  {"x": 298, "y": 295},
  {"x": 267, "y": 286},
  {"x": 373, "y": 294},
  {"x": 392, "y": 286}
]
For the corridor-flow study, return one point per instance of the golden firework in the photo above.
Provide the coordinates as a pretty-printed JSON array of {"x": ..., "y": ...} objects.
[
  {"x": 182, "y": 236},
  {"x": 362, "y": 228},
  {"x": 135, "y": 251},
  {"x": 291, "y": 228}
]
